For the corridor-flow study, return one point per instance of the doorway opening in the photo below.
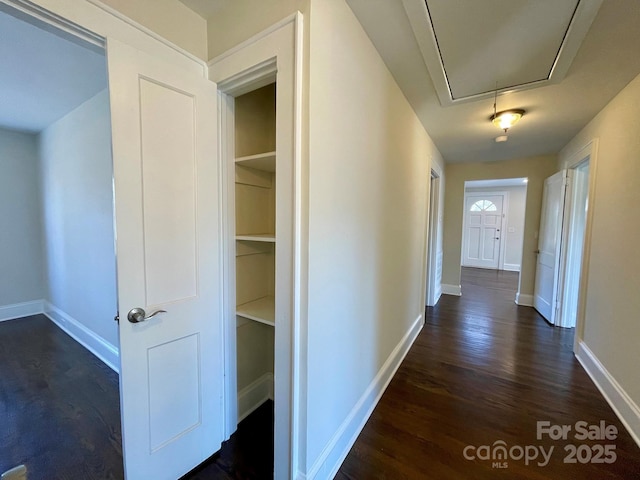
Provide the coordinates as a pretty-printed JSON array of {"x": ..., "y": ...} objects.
[
  {"x": 434, "y": 243},
  {"x": 561, "y": 243},
  {"x": 256, "y": 260},
  {"x": 259, "y": 93},
  {"x": 57, "y": 261},
  {"x": 574, "y": 240},
  {"x": 257, "y": 172},
  {"x": 493, "y": 225}
]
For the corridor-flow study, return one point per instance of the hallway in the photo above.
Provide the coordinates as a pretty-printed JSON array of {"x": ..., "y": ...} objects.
[{"x": 482, "y": 370}]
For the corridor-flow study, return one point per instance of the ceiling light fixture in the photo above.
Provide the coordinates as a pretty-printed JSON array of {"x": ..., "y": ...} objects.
[{"x": 507, "y": 118}]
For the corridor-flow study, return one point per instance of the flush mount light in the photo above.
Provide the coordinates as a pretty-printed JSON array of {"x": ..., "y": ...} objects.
[
  {"x": 507, "y": 118},
  {"x": 501, "y": 138}
]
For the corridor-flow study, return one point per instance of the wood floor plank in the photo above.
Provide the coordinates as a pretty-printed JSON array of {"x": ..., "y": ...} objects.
[
  {"x": 59, "y": 405},
  {"x": 484, "y": 369},
  {"x": 60, "y": 413}
]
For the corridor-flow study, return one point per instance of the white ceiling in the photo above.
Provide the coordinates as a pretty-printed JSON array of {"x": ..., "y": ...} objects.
[
  {"x": 478, "y": 58},
  {"x": 497, "y": 51},
  {"x": 501, "y": 182},
  {"x": 43, "y": 76},
  {"x": 606, "y": 61}
]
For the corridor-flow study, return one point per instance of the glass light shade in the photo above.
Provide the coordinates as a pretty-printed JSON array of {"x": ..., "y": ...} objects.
[{"x": 506, "y": 119}]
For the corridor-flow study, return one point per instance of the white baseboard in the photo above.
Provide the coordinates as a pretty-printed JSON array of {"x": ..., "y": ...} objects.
[
  {"x": 511, "y": 267},
  {"x": 524, "y": 299},
  {"x": 438, "y": 295},
  {"x": 97, "y": 345},
  {"x": 334, "y": 453},
  {"x": 624, "y": 407},
  {"x": 254, "y": 395},
  {"x": 437, "y": 299},
  {"x": 19, "y": 310},
  {"x": 451, "y": 290}
]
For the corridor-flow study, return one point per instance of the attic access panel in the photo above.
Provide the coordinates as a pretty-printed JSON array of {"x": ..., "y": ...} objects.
[{"x": 469, "y": 45}]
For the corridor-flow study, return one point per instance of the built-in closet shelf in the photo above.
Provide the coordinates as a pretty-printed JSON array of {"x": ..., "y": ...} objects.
[
  {"x": 263, "y": 237},
  {"x": 261, "y": 310},
  {"x": 262, "y": 161}
]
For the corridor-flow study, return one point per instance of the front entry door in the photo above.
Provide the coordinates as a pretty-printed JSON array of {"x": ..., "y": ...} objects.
[
  {"x": 482, "y": 234},
  {"x": 167, "y": 228},
  {"x": 549, "y": 241}
]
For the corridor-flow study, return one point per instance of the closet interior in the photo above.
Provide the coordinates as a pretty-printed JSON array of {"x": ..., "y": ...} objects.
[{"x": 255, "y": 241}]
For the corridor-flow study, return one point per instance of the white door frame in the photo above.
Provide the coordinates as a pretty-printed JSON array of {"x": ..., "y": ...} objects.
[
  {"x": 433, "y": 287},
  {"x": 590, "y": 152},
  {"x": 93, "y": 22},
  {"x": 503, "y": 222},
  {"x": 254, "y": 63},
  {"x": 568, "y": 261}
]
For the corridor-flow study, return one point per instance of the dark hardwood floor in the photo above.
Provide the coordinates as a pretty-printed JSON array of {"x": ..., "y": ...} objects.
[
  {"x": 482, "y": 370},
  {"x": 60, "y": 413},
  {"x": 485, "y": 370},
  {"x": 59, "y": 405},
  {"x": 247, "y": 455}
]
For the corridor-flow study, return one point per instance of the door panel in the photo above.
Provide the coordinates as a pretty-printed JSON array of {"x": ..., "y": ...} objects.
[
  {"x": 549, "y": 234},
  {"x": 488, "y": 243},
  {"x": 169, "y": 192},
  {"x": 473, "y": 251},
  {"x": 179, "y": 360},
  {"x": 481, "y": 238},
  {"x": 166, "y": 178}
]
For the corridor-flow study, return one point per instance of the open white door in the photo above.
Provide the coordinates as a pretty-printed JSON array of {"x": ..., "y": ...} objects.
[
  {"x": 549, "y": 243},
  {"x": 167, "y": 212}
]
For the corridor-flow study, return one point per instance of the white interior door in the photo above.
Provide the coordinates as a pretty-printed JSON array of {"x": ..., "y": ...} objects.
[
  {"x": 166, "y": 177},
  {"x": 549, "y": 236},
  {"x": 482, "y": 231}
]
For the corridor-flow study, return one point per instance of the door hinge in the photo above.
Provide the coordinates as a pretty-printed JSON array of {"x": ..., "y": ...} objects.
[{"x": 117, "y": 317}]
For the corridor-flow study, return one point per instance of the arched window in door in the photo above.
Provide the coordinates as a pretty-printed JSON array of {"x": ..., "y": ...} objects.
[{"x": 483, "y": 206}]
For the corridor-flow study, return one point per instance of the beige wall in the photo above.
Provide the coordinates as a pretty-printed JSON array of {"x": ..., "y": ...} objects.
[
  {"x": 365, "y": 174},
  {"x": 611, "y": 326},
  {"x": 368, "y": 190},
  {"x": 170, "y": 19},
  {"x": 237, "y": 20},
  {"x": 536, "y": 169}
]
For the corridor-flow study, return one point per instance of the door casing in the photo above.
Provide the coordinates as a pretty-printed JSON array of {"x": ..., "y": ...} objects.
[
  {"x": 94, "y": 22},
  {"x": 505, "y": 210},
  {"x": 274, "y": 54}
]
